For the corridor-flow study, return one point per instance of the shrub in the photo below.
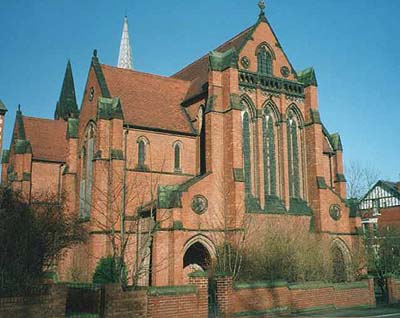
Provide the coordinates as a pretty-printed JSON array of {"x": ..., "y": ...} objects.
[{"x": 107, "y": 271}]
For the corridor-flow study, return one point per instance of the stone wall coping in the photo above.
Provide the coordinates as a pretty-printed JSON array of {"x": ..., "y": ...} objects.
[
  {"x": 259, "y": 284},
  {"x": 171, "y": 290},
  {"x": 310, "y": 285},
  {"x": 351, "y": 285},
  {"x": 198, "y": 274}
]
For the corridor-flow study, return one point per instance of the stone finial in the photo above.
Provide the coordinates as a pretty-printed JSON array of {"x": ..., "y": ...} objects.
[{"x": 261, "y": 5}]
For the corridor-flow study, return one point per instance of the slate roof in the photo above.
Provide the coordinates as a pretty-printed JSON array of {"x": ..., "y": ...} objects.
[
  {"x": 149, "y": 101},
  {"x": 197, "y": 72},
  {"x": 47, "y": 138}
]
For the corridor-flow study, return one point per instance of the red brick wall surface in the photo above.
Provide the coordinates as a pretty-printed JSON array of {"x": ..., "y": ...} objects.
[
  {"x": 46, "y": 306},
  {"x": 311, "y": 296},
  {"x": 393, "y": 285}
]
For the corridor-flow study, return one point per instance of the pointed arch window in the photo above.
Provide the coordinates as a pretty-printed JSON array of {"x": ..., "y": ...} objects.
[
  {"x": 269, "y": 154},
  {"x": 141, "y": 153},
  {"x": 264, "y": 61},
  {"x": 246, "y": 153},
  {"x": 142, "y": 148},
  {"x": 294, "y": 155},
  {"x": 177, "y": 157},
  {"x": 87, "y": 154}
]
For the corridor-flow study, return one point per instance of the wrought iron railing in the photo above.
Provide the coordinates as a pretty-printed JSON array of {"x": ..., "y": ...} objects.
[{"x": 270, "y": 84}]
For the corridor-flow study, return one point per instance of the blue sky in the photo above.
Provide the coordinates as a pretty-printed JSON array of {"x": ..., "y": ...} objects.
[{"x": 353, "y": 45}]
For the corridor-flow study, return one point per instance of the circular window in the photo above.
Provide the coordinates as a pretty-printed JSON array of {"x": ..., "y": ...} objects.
[
  {"x": 199, "y": 204},
  {"x": 335, "y": 212},
  {"x": 285, "y": 71},
  {"x": 245, "y": 62}
]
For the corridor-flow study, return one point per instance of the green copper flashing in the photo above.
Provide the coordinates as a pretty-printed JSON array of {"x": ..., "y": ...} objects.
[
  {"x": 99, "y": 75},
  {"x": 5, "y": 156},
  {"x": 315, "y": 117},
  {"x": 20, "y": 124},
  {"x": 109, "y": 108},
  {"x": 321, "y": 183},
  {"x": 177, "y": 225},
  {"x": 238, "y": 175},
  {"x": 169, "y": 197},
  {"x": 353, "y": 207},
  {"x": 66, "y": 105},
  {"x": 210, "y": 103},
  {"x": 336, "y": 142},
  {"x": 299, "y": 207},
  {"x": 3, "y": 108},
  {"x": 72, "y": 128},
  {"x": 22, "y": 146},
  {"x": 235, "y": 102},
  {"x": 340, "y": 177},
  {"x": 221, "y": 61},
  {"x": 274, "y": 205},
  {"x": 117, "y": 154},
  {"x": 307, "y": 77}
]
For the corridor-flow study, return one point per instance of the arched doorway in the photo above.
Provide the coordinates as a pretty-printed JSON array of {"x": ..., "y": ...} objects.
[
  {"x": 339, "y": 266},
  {"x": 197, "y": 254},
  {"x": 340, "y": 261}
]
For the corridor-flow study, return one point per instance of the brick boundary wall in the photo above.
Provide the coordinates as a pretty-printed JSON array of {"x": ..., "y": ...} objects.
[
  {"x": 51, "y": 305},
  {"x": 189, "y": 301},
  {"x": 124, "y": 304},
  {"x": 258, "y": 298},
  {"x": 393, "y": 286}
]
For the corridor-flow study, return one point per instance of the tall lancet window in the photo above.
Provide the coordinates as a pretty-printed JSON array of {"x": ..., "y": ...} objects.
[
  {"x": 247, "y": 147},
  {"x": 294, "y": 154},
  {"x": 87, "y": 153},
  {"x": 269, "y": 153},
  {"x": 177, "y": 156},
  {"x": 142, "y": 149},
  {"x": 264, "y": 61}
]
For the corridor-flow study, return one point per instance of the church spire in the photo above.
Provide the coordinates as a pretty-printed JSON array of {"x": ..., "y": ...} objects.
[
  {"x": 66, "y": 105},
  {"x": 125, "y": 52}
]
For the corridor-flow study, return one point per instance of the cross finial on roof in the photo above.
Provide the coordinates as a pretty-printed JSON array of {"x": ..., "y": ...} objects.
[{"x": 261, "y": 5}]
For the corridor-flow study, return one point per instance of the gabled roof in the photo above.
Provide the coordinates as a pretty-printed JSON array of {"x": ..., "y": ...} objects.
[
  {"x": 47, "y": 138},
  {"x": 149, "y": 101},
  {"x": 389, "y": 186},
  {"x": 197, "y": 72}
]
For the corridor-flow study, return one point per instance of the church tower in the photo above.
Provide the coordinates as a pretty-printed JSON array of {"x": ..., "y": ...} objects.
[
  {"x": 66, "y": 105},
  {"x": 125, "y": 53}
]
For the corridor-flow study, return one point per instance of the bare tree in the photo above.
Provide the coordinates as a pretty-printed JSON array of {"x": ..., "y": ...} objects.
[
  {"x": 360, "y": 178},
  {"x": 231, "y": 225},
  {"x": 125, "y": 211}
]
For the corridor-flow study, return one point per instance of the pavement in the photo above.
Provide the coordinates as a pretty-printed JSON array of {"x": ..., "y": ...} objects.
[{"x": 381, "y": 311}]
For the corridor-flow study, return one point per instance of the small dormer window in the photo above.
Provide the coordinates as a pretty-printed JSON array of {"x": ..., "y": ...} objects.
[{"x": 264, "y": 61}]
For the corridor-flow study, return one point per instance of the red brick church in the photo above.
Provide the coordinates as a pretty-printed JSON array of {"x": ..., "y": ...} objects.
[{"x": 237, "y": 132}]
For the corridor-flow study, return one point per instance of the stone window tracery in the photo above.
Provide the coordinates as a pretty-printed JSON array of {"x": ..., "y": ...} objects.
[
  {"x": 264, "y": 61},
  {"x": 87, "y": 154},
  {"x": 295, "y": 154},
  {"x": 269, "y": 153}
]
